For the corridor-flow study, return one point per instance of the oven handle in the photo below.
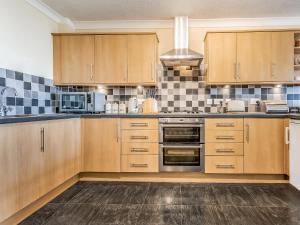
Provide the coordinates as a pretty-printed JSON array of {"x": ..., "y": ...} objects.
[
  {"x": 181, "y": 125},
  {"x": 181, "y": 146}
]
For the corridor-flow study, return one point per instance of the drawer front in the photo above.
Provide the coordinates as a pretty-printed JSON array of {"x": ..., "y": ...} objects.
[
  {"x": 222, "y": 136},
  {"x": 139, "y": 148},
  {"x": 143, "y": 136},
  {"x": 139, "y": 163},
  {"x": 139, "y": 124},
  {"x": 224, "y": 124},
  {"x": 224, "y": 164},
  {"x": 224, "y": 149}
]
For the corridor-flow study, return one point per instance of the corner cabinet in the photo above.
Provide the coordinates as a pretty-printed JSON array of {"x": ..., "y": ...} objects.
[
  {"x": 250, "y": 57},
  {"x": 114, "y": 59}
]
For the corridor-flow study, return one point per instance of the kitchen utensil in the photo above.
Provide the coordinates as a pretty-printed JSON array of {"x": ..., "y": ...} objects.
[{"x": 150, "y": 106}]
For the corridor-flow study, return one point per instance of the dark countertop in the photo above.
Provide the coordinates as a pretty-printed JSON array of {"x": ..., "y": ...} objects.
[{"x": 45, "y": 117}]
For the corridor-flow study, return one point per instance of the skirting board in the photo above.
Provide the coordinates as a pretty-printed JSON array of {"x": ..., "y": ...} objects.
[
  {"x": 189, "y": 177},
  {"x": 30, "y": 209}
]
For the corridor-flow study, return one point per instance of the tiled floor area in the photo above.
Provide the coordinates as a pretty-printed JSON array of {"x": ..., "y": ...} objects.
[{"x": 109, "y": 203}]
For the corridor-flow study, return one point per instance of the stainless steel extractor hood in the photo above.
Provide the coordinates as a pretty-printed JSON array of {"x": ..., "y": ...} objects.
[{"x": 181, "y": 55}]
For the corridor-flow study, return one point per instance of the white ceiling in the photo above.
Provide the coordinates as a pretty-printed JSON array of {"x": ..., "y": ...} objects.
[{"x": 96, "y": 10}]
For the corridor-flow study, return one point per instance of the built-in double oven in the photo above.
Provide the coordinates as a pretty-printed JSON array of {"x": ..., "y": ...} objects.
[{"x": 182, "y": 144}]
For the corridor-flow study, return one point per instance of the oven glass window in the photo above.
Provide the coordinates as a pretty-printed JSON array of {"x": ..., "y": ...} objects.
[
  {"x": 73, "y": 101},
  {"x": 181, "y": 156},
  {"x": 181, "y": 134}
]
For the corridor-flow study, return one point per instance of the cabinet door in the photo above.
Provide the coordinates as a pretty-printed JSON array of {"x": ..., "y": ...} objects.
[
  {"x": 55, "y": 146},
  {"x": 72, "y": 144},
  {"x": 77, "y": 59},
  {"x": 9, "y": 187},
  {"x": 141, "y": 59},
  {"x": 264, "y": 146},
  {"x": 102, "y": 145},
  {"x": 111, "y": 59},
  {"x": 282, "y": 64},
  {"x": 28, "y": 164},
  {"x": 254, "y": 57},
  {"x": 221, "y": 57}
]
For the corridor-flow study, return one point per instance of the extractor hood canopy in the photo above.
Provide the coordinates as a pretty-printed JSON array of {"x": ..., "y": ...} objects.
[{"x": 181, "y": 55}]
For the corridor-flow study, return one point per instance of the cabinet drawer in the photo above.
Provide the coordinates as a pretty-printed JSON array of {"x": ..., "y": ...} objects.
[
  {"x": 224, "y": 164},
  {"x": 224, "y": 124},
  {"x": 139, "y": 148},
  {"x": 139, "y": 163},
  {"x": 224, "y": 149},
  {"x": 139, "y": 124},
  {"x": 222, "y": 136},
  {"x": 146, "y": 136}
]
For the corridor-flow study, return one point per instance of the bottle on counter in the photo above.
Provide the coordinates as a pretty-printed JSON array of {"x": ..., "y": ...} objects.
[
  {"x": 115, "y": 108},
  {"x": 122, "y": 108},
  {"x": 108, "y": 108}
]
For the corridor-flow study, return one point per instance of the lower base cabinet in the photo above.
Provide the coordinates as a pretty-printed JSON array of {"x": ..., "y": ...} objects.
[
  {"x": 264, "y": 146},
  {"x": 34, "y": 159},
  {"x": 139, "y": 163},
  {"x": 102, "y": 145},
  {"x": 224, "y": 164}
]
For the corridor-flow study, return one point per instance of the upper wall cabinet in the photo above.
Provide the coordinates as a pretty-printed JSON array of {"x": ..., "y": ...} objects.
[
  {"x": 250, "y": 57},
  {"x": 221, "y": 57},
  {"x": 142, "y": 57},
  {"x": 127, "y": 59},
  {"x": 75, "y": 59}
]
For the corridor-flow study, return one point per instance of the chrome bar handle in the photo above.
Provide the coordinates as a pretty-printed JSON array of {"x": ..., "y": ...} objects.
[
  {"x": 225, "y": 125},
  {"x": 139, "y": 165},
  {"x": 139, "y": 137},
  {"x": 287, "y": 135},
  {"x": 247, "y": 133},
  {"x": 225, "y": 166},
  {"x": 225, "y": 138},
  {"x": 139, "y": 124},
  {"x": 42, "y": 139},
  {"x": 225, "y": 150},
  {"x": 139, "y": 150}
]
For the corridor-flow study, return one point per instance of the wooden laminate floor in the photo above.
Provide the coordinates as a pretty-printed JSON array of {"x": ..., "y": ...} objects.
[{"x": 115, "y": 203}]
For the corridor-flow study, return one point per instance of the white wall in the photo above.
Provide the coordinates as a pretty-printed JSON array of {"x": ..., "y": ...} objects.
[{"x": 25, "y": 38}]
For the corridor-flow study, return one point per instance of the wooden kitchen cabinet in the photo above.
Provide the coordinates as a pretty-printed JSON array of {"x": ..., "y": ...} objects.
[
  {"x": 250, "y": 57},
  {"x": 102, "y": 145},
  {"x": 9, "y": 188},
  {"x": 142, "y": 56},
  {"x": 111, "y": 59},
  {"x": 115, "y": 59},
  {"x": 221, "y": 58},
  {"x": 254, "y": 57},
  {"x": 282, "y": 63},
  {"x": 76, "y": 59},
  {"x": 264, "y": 146},
  {"x": 29, "y": 164}
]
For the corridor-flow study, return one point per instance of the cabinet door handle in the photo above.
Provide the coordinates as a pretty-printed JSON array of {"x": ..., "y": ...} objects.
[
  {"x": 139, "y": 137},
  {"x": 287, "y": 135},
  {"x": 225, "y": 125},
  {"x": 225, "y": 166},
  {"x": 139, "y": 124},
  {"x": 229, "y": 150},
  {"x": 247, "y": 133},
  {"x": 42, "y": 139},
  {"x": 139, "y": 165},
  {"x": 139, "y": 150},
  {"x": 238, "y": 71},
  {"x": 117, "y": 131},
  {"x": 225, "y": 138},
  {"x": 235, "y": 71},
  {"x": 91, "y": 72},
  {"x": 272, "y": 69}
]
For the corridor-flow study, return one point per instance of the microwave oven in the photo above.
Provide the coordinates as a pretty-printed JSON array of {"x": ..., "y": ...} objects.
[{"x": 82, "y": 102}]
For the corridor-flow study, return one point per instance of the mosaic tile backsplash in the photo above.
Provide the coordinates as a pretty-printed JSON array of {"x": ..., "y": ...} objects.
[{"x": 37, "y": 95}]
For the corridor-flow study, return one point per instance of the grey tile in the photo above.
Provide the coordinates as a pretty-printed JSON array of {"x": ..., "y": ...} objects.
[
  {"x": 164, "y": 193},
  {"x": 204, "y": 215},
  {"x": 73, "y": 214},
  {"x": 198, "y": 194},
  {"x": 42, "y": 215},
  {"x": 10, "y": 74},
  {"x": 160, "y": 215},
  {"x": 117, "y": 214}
]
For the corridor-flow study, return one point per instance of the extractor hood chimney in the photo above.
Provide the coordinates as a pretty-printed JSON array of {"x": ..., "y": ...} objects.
[{"x": 181, "y": 55}]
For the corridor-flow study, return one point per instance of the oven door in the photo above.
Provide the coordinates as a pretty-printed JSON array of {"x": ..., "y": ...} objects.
[
  {"x": 181, "y": 133},
  {"x": 181, "y": 158}
]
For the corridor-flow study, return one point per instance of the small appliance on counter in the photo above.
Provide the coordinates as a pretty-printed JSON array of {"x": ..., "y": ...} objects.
[
  {"x": 236, "y": 106},
  {"x": 150, "y": 106},
  {"x": 133, "y": 106},
  {"x": 91, "y": 102},
  {"x": 276, "y": 107}
]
